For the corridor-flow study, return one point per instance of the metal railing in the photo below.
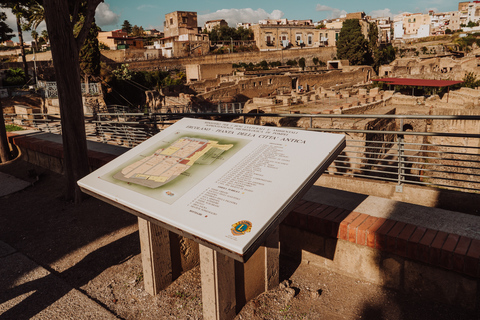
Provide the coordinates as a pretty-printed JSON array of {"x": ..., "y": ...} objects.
[
  {"x": 378, "y": 147},
  {"x": 51, "y": 90}
]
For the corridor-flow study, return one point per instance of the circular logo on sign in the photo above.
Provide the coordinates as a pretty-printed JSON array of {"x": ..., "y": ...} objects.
[
  {"x": 169, "y": 193},
  {"x": 241, "y": 227}
]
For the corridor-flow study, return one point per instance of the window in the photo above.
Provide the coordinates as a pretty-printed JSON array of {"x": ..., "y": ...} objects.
[
  {"x": 269, "y": 39},
  {"x": 185, "y": 20},
  {"x": 298, "y": 37},
  {"x": 309, "y": 39},
  {"x": 171, "y": 21}
]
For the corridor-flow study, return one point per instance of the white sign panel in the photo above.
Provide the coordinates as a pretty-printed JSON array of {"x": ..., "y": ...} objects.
[{"x": 223, "y": 184}]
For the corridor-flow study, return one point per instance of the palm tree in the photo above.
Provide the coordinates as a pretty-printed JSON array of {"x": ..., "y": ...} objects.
[
  {"x": 35, "y": 15},
  {"x": 35, "y": 37},
  {"x": 44, "y": 36},
  {"x": 19, "y": 9}
]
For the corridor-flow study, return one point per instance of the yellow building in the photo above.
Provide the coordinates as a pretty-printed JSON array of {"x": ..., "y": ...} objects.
[
  {"x": 180, "y": 22},
  {"x": 118, "y": 39},
  {"x": 413, "y": 22},
  {"x": 277, "y": 37}
]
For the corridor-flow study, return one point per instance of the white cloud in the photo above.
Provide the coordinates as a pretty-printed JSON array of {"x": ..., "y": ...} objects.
[
  {"x": 147, "y": 7},
  {"x": 234, "y": 16},
  {"x": 12, "y": 23},
  {"x": 104, "y": 16},
  {"x": 11, "y": 20},
  {"x": 381, "y": 13},
  {"x": 334, "y": 12}
]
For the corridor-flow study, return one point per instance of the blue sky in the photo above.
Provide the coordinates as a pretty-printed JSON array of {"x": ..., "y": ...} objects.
[{"x": 151, "y": 13}]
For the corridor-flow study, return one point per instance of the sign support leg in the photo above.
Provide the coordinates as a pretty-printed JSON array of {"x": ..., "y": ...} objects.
[
  {"x": 218, "y": 285},
  {"x": 272, "y": 260},
  {"x": 156, "y": 257},
  {"x": 260, "y": 273}
]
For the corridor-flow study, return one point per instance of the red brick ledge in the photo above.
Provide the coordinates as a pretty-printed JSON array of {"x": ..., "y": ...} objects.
[{"x": 446, "y": 250}]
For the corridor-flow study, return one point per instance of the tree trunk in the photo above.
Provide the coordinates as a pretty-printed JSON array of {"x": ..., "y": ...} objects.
[
  {"x": 4, "y": 148},
  {"x": 22, "y": 48},
  {"x": 65, "y": 54}
]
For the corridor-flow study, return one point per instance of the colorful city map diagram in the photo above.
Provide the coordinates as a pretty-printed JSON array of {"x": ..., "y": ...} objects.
[{"x": 166, "y": 164}]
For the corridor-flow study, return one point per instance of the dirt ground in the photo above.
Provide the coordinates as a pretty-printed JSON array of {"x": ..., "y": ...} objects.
[{"x": 95, "y": 248}]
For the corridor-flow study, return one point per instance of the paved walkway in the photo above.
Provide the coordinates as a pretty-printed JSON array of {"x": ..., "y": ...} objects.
[{"x": 28, "y": 291}]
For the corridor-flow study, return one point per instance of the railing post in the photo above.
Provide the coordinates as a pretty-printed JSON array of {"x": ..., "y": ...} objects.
[{"x": 401, "y": 151}]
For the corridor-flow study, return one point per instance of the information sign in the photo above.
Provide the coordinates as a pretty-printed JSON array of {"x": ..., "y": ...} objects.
[{"x": 223, "y": 184}]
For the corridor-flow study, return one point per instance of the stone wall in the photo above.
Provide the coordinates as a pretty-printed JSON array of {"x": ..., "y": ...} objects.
[
  {"x": 265, "y": 86},
  {"x": 434, "y": 68},
  {"x": 323, "y": 54}
]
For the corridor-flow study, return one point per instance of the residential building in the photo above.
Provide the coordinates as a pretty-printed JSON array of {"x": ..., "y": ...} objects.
[
  {"x": 119, "y": 39},
  {"x": 414, "y": 21},
  {"x": 8, "y": 43},
  {"x": 455, "y": 21},
  {"x": 356, "y": 15},
  {"x": 398, "y": 30},
  {"x": 412, "y": 25},
  {"x": 209, "y": 25},
  {"x": 245, "y": 25},
  {"x": 384, "y": 25},
  {"x": 180, "y": 22},
  {"x": 285, "y": 35},
  {"x": 463, "y": 6},
  {"x": 182, "y": 36},
  {"x": 473, "y": 12},
  {"x": 441, "y": 21},
  {"x": 152, "y": 33}
]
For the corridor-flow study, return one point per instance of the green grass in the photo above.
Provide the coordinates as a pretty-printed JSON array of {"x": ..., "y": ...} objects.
[{"x": 12, "y": 127}]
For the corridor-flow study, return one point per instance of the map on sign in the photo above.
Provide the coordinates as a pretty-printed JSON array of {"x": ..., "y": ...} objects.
[
  {"x": 172, "y": 166},
  {"x": 167, "y": 164}
]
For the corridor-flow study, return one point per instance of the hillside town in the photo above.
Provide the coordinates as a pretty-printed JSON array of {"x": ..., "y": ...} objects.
[{"x": 122, "y": 150}]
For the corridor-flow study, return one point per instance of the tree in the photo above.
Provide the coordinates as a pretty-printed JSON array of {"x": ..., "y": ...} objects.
[
  {"x": 61, "y": 17},
  {"x": 351, "y": 43},
  {"x": 34, "y": 35},
  {"x": 471, "y": 24},
  {"x": 470, "y": 80},
  {"x": 14, "y": 77},
  {"x": 301, "y": 63},
  {"x": 19, "y": 9},
  {"x": 225, "y": 33},
  {"x": 35, "y": 15},
  {"x": 137, "y": 31},
  {"x": 44, "y": 36},
  {"x": 90, "y": 52},
  {"x": 127, "y": 27},
  {"x": 5, "y": 34}
]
